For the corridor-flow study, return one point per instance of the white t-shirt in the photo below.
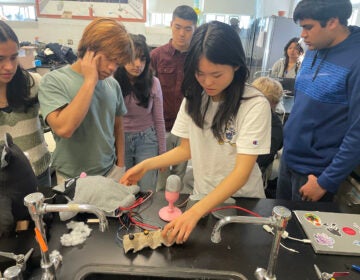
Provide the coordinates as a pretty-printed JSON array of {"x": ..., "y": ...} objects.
[{"x": 249, "y": 133}]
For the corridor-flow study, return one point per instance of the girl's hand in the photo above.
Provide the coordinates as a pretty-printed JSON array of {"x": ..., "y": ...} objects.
[
  {"x": 179, "y": 229},
  {"x": 133, "y": 175}
]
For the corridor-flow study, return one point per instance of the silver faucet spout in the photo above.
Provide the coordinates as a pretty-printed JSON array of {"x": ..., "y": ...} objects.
[
  {"x": 216, "y": 233},
  {"x": 37, "y": 208},
  {"x": 72, "y": 207},
  {"x": 278, "y": 220}
]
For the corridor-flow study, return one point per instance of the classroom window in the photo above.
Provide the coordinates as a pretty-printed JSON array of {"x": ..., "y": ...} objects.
[
  {"x": 354, "y": 16},
  {"x": 159, "y": 19},
  {"x": 244, "y": 21},
  {"x": 17, "y": 10}
]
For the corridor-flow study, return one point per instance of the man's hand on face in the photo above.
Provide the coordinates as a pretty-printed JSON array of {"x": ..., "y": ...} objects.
[{"x": 90, "y": 64}]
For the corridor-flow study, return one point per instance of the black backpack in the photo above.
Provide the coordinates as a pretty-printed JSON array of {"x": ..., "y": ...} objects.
[{"x": 17, "y": 179}]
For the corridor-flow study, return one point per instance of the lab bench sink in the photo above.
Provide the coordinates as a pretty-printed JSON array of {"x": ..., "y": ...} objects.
[{"x": 94, "y": 272}]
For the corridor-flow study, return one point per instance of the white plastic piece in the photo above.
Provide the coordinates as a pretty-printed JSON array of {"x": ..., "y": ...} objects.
[
  {"x": 270, "y": 230},
  {"x": 285, "y": 235}
]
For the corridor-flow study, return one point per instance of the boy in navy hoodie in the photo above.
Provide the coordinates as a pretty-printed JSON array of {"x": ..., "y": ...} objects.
[{"x": 322, "y": 134}]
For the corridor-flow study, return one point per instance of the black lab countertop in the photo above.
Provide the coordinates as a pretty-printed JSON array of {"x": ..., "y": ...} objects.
[{"x": 243, "y": 248}]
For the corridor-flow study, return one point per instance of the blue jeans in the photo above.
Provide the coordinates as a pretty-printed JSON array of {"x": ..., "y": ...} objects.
[
  {"x": 138, "y": 147},
  {"x": 289, "y": 183}
]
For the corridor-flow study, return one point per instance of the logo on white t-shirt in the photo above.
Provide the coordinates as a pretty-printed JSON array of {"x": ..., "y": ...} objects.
[{"x": 229, "y": 134}]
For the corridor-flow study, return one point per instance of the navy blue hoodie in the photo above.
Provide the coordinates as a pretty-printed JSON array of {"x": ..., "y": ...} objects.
[{"x": 322, "y": 134}]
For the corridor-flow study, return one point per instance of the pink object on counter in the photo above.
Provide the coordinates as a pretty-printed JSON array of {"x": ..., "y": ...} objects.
[{"x": 170, "y": 212}]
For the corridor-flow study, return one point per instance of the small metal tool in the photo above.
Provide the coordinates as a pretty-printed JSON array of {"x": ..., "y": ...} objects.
[
  {"x": 328, "y": 276},
  {"x": 19, "y": 259}
]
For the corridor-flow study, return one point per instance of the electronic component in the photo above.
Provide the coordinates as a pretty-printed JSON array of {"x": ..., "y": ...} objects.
[{"x": 138, "y": 241}]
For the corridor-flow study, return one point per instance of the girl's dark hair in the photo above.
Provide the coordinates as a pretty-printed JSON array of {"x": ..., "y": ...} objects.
[
  {"x": 18, "y": 89},
  {"x": 300, "y": 49},
  {"x": 143, "y": 83},
  {"x": 220, "y": 44}
]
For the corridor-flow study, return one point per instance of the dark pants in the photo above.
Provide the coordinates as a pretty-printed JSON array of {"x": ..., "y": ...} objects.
[{"x": 289, "y": 182}]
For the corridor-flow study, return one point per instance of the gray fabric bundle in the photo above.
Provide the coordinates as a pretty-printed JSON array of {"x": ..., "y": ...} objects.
[{"x": 102, "y": 192}]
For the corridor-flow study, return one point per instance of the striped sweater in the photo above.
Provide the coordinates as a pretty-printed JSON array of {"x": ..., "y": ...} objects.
[{"x": 27, "y": 133}]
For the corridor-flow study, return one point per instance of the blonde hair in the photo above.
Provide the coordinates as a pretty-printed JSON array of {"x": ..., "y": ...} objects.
[
  {"x": 110, "y": 37},
  {"x": 271, "y": 88}
]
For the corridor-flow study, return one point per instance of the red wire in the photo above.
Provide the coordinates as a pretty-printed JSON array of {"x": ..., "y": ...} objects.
[
  {"x": 141, "y": 200},
  {"x": 238, "y": 208},
  {"x": 142, "y": 225},
  {"x": 137, "y": 202}
]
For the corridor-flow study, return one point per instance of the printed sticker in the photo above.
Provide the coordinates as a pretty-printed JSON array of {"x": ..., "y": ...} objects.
[
  {"x": 356, "y": 242},
  {"x": 314, "y": 219},
  {"x": 324, "y": 239},
  {"x": 333, "y": 228},
  {"x": 349, "y": 230}
]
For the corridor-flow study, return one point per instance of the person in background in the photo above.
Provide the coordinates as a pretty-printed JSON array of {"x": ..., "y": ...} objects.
[
  {"x": 19, "y": 106},
  {"x": 83, "y": 104},
  {"x": 144, "y": 124},
  {"x": 234, "y": 23},
  {"x": 167, "y": 61},
  {"x": 322, "y": 134},
  {"x": 224, "y": 124},
  {"x": 289, "y": 66},
  {"x": 273, "y": 91}
]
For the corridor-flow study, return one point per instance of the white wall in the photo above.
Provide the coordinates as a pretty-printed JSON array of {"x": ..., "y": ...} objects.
[
  {"x": 357, "y": 8},
  {"x": 243, "y": 7},
  {"x": 167, "y": 6},
  {"x": 60, "y": 30},
  {"x": 271, "y": 7}
]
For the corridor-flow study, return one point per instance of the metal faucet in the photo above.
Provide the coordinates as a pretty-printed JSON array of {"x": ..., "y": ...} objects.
[
  {"x": 15, "y": 272},
  {"x": 278, "y": 220},
  {"x": 37, "y": 208}
]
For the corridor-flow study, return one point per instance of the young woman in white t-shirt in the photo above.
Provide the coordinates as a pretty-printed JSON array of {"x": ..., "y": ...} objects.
[{"x": 224, "y": 125}]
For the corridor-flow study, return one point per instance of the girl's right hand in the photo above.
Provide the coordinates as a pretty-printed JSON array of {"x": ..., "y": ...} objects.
[
  {"x": 133, "y": 175},
  {"x": 179, "y": 229}
]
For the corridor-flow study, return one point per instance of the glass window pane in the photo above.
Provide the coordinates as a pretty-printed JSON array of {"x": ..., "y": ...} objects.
[
  {"x": 167, "y": 19},
  {"x": 18, "y": 12},
  {"x": 220, "y": 18},
  {"x": 210, "y": 17}
]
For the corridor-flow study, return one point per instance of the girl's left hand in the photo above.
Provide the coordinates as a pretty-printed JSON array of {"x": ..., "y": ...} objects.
[{"x": 179, "y": 229}]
